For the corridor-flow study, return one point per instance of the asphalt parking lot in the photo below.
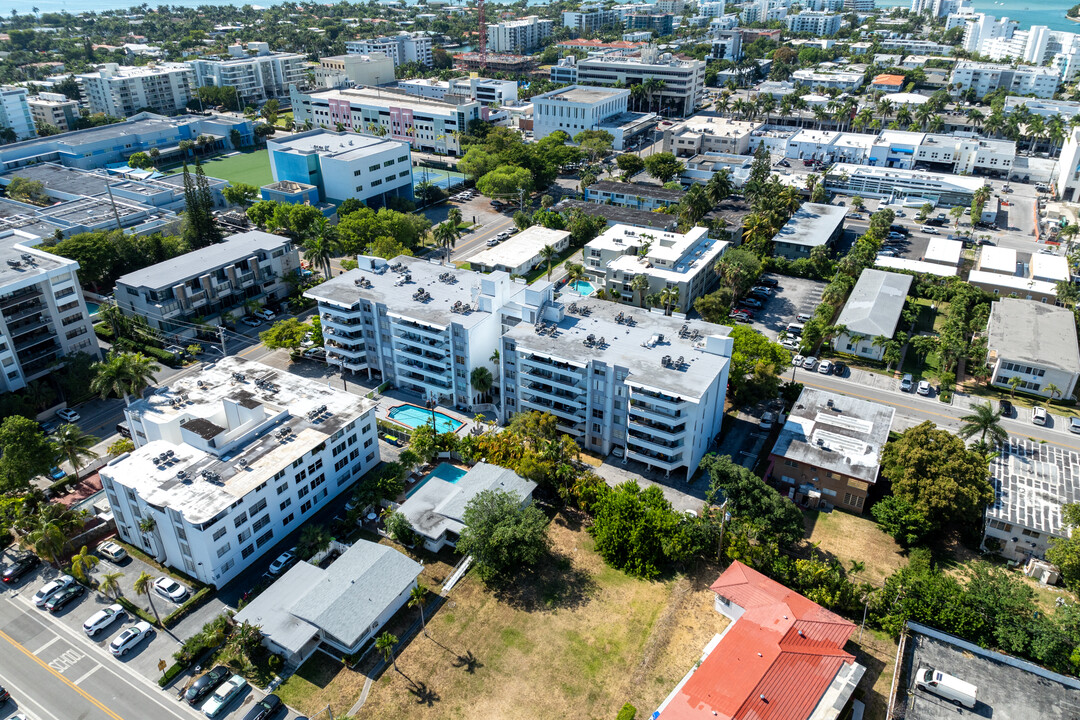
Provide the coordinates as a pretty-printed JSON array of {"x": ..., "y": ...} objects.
[{"x": 791, "y": 297}]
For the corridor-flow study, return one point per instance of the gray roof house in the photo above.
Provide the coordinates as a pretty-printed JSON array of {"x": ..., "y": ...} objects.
[
  {"x": 1035, "y": 342},
  {"x": 342, "y": 606},
  {"x": 813, "y": 225},
  {"x": 436, "y": 509},
  {"x": 872, "y": 309}
]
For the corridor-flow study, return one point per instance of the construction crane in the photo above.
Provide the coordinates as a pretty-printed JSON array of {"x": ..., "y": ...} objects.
[{"x": 482, "y": 24}]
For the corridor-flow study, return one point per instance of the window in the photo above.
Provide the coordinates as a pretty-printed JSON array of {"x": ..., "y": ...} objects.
[
  {"x": 219, "y": 534},
  {"x": 1029, "y": 533},
  {"x": 258, "y": 507},
  {"x": 998, "y": 525},
  {"x": 260, "y": 523},
  {"x": 377, "y": 182},
  {"x": 369, "y": 457},
  {"x": 282, "y": 488},
  {"x": 303, "y": 491},
  {"x": 244, "y": 535},
  {"x": 240, "y": 519},
  {"x": 223, "y": 549},
  {"x": 288, "y": 519},
  {"x": 853, "y": 500},
  {"x": 246, "y": 552},
  {"x": 791, "y": 463},
  {"x": 305, "y": 507}
]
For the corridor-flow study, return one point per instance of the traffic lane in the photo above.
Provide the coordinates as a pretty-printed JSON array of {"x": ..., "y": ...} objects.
[
  {"x": 478, "y": 239},
  {"x": 70, "y": 677},
  {"x": 945, "y": 416}
]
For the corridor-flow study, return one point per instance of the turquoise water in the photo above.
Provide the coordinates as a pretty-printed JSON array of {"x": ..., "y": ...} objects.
[
  {"x": 414, "y": 416},
  {"x": 1050, "y": 13},
  {"x": 92, "y": 307},
  {"x": 443, "y": 471},
  {"x": 582, "y": 287}
]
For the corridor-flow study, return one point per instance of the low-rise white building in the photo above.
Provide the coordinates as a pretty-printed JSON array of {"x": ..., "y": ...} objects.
[
  {"x": 54, "y": 109},
  {"x": 402, "y": 48},
  {"x": 1035, "y": 342},
  {"x": 843, "y": 81},
  {"x": 230, "y": 460},
  {"x": 884, "y": 182},
  {"x": 873, "y": 310},
  {"x": 15, "y": 112},
  {"x": 830, "y": 146},
  {"x": 578, "y": 108},
  {"x": 709, "y": 133},
  {"x": 666, "y": 259},
  {"x": 684, "y": 80},
  {"x": 354, "y": 69},
  {"x": 522, "y": 252}
]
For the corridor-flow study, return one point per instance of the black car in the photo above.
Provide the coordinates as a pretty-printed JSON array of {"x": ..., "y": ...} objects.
[
  {"x": 768, "y": 282},
  {"x": 265, "y": 709},
  {"x": 839, "y": 368},
  {"x": 1005, "y": 408},
  {"x": 205, "y": 684},
  {"x": 4, "y": 694},
  {"x": 64, "y": 598},
  {"x": 20, "y": 567}
]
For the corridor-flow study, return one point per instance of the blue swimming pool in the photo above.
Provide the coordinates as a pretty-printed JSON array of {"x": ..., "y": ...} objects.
[
  {"x": 92, "y": 307},
  {"x": 443, "y": 471},
  {"x": 414, "y": 416},
  {"x": 582, "y": 287}
]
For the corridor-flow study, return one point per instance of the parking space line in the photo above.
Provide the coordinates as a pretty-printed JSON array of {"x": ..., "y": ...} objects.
[
  {"x": 41, "y": 649},
  {"x": 88, "y": 673}
]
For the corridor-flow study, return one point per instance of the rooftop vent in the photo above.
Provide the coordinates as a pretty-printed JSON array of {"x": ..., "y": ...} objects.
[{"x": 242, "y": 462}]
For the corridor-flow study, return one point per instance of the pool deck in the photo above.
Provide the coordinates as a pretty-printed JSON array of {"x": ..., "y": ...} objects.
[{"x": 393, "y": 398}]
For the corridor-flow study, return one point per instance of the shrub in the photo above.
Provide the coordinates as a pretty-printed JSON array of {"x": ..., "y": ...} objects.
[
  {"x": 274, "y": 662},
  {"x": 170, "y": 672},
  {"x": 627, "y": 712}
]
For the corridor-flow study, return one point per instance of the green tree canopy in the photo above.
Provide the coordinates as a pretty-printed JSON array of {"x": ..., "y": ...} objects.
[
  {"x": 663, "y": 166},
  {"x": 140, "y": 161},
  {"x": 26, "y": 453},
  {"x": 285, "y": 334},
  {"x": 1065, "y": 552},
  {"x": 240, "y": 194},
  {"x": 505, "y": 181},
  {"x": 502, "y": 536},
  {"x": 633, "y": 529}
]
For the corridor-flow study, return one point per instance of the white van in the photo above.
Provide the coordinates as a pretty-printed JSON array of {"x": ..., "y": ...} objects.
[
  {"x": 805, "y": 317},
  {"x": 951, "y": 688},
  {"x": 795, "y": 329}
]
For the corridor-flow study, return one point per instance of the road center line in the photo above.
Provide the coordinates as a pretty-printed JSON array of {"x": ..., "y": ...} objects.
[{"x": 87, "y": 696}]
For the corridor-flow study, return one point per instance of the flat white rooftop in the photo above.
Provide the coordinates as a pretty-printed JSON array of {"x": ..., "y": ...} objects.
[
  {"x": 998, "y": 260},
  {"x": 944, "y": 251},
  {"x": 338, "y": 145},
  {"x": 897, "y": 263},
  {"x": 521, "y": 248},
  {"x": 1053, "y": 268}
]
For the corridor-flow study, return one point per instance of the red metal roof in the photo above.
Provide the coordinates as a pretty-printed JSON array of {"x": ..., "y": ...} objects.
[
  {"x": 784, "y": 648},
  {"x": 888, "y": 80}
]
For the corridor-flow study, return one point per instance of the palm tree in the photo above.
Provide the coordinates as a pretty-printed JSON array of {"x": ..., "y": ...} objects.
[
  {"x": 547, "y": 254},
  {"x": 110, "y": 584},
  {"x": 82, "y": 563},
  {"x": 670, "y": 297},
  {"x": 48, "y": 538},
  {"x": 321, "y": 245},
  {"x": 575, "y": 273},
  {"x": 640, "y": 285},
  {"x": 73, "y": 445},
  {"x": 144, "y": 585},
  {"x": 494, "y": 357},
  {"x": 417, "y": 599},
  {"x": 446, "y": 235},
  {"x": 123, "y": 374},
  {"x": 1053, "y": 391},
  {"x": 385, "y": 645},
  {"x": 481, "y": 380},
  {"x": 984, "y": 421},
  {"x": 454, "y": 217}
]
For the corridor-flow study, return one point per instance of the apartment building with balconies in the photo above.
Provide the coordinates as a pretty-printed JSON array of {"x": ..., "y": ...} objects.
[
  {"x": 230, "y": 460},
  {"x": 15, "y": 112},
  {"x": 401, "y": 48},
  {"x": 684, "y": 80},
  {"x": 647, "y": 387},
  {"x": 422, "y": 326},
  {"x": 122, "y": 91},
  {"x": 666, "y": 259},
  {"x": 519, "y": 37},
  {"x": 257, "y": 74},
  {"x": 209, "y": 283},
  {"x": 55, "y": 109},
  {"x": 43, "y": 315}
]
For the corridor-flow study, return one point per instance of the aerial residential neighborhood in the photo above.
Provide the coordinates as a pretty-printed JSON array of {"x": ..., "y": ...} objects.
[{"x": 672, "y": 359}]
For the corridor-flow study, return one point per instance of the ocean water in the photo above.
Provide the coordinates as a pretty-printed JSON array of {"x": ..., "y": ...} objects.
[{"x": 78, "y": 6}]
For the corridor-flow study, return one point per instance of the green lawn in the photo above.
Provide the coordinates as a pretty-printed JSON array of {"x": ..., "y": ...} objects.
[{"x": 251, "y": 167}]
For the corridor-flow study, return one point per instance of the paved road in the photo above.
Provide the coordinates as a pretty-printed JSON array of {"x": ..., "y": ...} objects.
[
  {"x": 912, "y": 409},
  {"x": 55, "y": 673}
]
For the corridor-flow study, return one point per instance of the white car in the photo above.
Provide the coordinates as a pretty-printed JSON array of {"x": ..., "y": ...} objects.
[
  {"x": 1038, "y": 416},
  {"x": 797, "y": 360},
  {"x": 132, "y": 636},
  {"x": 308, "y": 341},
  {"x": 169, "y": 589},
  {"x": 265, "y": 314},
  {"x": 68, "y": 414},
  {"x": 825, "y": 368},
  {"x": 223, "y": 695},
  {"x": 103, "y": 618},
  {"x": 809, "y": 363},
  {"x": 251, "y": 321},
  {"x": 923, "y": 387},
  {"x": 767, "y": 420},
  {"x": 283, "y": 562},
  {"x": 112, "y": 551},
  {"x": 51, "y": 588}
]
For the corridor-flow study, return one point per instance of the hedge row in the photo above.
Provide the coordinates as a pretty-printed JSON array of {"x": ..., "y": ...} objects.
[{"x": 181, "y": 612}]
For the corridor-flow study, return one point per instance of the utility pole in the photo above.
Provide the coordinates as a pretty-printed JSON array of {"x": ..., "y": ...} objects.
[
  {"x": 221, "y": 339},
  {"x": 112, "y": 200}
]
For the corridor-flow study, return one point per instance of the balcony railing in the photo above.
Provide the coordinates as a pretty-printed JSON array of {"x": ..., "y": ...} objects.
[{"x": 20, "y": 297}]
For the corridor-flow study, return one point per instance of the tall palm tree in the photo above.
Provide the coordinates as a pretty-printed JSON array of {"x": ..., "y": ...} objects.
[
  {"x": 984, "y": 421},
  {"x": 82, "y": 563},
  {"x": 640, "y": 285},
  {"x": 123, "y": 374},
  {"x": 144, "y": 585},
  {"x": 48, "y": 538},
  {"x": 110, "y": 584},
  {"x": 575, "y": 273},
  {"x": 1052, "y": 391},
  {"x": 321, "y": 245},
  {"x": 670, "y": 297},
  {"x": 417, "y": 599},
  {"x": 547, "y": 254},
  {"x": 385, "y": 645},
  {"x": 74, "y": 445},
  {"x": 481, "y": 380},
  {"x": 446, "y": 235},
  {"x": 454, "y": 217}
]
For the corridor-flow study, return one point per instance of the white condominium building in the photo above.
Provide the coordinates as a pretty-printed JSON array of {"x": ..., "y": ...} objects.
[
  {"x": 15, "y": 112},
  {"x": 230, "y": 460},
  {"x": 843, "y": 81},
  {"x": 428, "y": 125},
  {"x": 984, "y": 78},
  {"x": 55, "y": 109},
  {"x": 343, "y": 70},
  {"x": 684, "y": 80},
  {"x": 518, "y": 37},
  {"x": 709, "y": 133},
  {"x": 257, "y": 77},
  {"x": 819, "y": 23},
  {"x": 43, "y": 315},
  {"x": 590, "y": 20},
  {"x": 121, "y": 91},
  {"x": 401, "y": 48},
  {"x": 981, "y": 29},
  {"x": 644, "y": 386},
  {"x": 487, "y": 91},
  {"x": 665, "y": 259}
]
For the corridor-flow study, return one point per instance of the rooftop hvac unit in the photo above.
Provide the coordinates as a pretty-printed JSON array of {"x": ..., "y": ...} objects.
[{"x": 242, "y": 462}]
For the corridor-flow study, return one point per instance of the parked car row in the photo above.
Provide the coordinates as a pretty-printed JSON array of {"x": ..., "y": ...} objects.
[
  {"x": 463, "y": 196},
  {"x": 505, "y": 234},
  {"x": 825, "y": 367}
]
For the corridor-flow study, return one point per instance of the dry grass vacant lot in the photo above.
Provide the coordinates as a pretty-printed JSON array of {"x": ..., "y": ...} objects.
[
  {"x": 580, "y": 642},
  {"x": 849, "y": 537}
]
